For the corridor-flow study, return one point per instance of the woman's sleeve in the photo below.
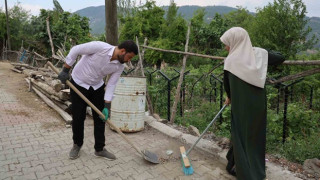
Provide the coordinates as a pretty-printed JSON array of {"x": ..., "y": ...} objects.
[{"x": 226, "y": 83}]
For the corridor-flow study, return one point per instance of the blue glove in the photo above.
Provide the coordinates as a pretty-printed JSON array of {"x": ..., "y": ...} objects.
[
  {"x": 106, "y": 111},
  {"x": 64, "y": 75}
]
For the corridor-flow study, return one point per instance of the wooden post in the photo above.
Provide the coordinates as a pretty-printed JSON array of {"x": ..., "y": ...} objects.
[
  {"x": 8, "y": 29},
  {"x": 50, "y": 38},
  {"x": 149, "y": 103},
  {"x": 184, "y": 62}
]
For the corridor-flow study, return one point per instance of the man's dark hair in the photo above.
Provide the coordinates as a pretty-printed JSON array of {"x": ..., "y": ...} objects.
[{"x": 129, "y": 46}]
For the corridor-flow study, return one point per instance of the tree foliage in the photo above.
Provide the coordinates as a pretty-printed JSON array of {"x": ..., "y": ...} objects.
[
  {"x": 57, "y": 6},
  {"x": 18, "y": 23},
  {"x": 66, "y": 29},
  {"x": 240, "y": 18},
  {"x": 282, "y": 26},
  {"x": 146, "y": 22}
]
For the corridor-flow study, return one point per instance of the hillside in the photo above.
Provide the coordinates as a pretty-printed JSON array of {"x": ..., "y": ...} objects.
[
  {"x": 314, "y": 23},
  {"x": 97, "y": 17}
]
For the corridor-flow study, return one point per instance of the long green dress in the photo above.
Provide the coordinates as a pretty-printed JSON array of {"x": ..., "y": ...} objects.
[{"x": 248, "y": 128}]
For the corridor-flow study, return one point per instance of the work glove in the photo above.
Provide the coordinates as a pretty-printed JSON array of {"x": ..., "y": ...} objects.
[
  {"x": 106, "y": 111},
  {"x": 64, "y": 75}
]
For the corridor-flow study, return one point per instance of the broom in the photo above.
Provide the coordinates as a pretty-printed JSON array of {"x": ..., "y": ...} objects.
[{"x": 186, "y": 165}]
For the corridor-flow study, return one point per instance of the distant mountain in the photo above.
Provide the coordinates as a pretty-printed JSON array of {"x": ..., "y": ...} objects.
[
  {"x": 187, "y": 11},
  {"x": 97, "y": 17},
  {"x": 314, "y": 23}
]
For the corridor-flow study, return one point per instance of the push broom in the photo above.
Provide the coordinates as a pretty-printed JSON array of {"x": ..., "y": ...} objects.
[{"x": 186, "y": 165}]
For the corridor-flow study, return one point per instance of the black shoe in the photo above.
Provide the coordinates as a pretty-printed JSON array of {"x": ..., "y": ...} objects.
[
  {"x": 74, "y": 153},
  {"x": 105, "y": 154}
]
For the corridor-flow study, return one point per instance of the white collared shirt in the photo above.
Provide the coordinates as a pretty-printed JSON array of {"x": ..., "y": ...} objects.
[{"x": 94, "y": 65}]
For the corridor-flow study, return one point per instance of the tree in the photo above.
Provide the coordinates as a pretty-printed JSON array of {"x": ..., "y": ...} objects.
[
  {"x": 206, "y": 37},
  {"x": 282, "y": 26},
  {"x": 145, "y": 22},
  {"x": 239, "y": 18},
  {"x": 3, "y": 28},
  {"x": 66, "y": 29},
  {"x": 57, "y": 6},
  {"x": 172, "y": 36},
  {"x": 172, "y": 13},
  {"x": 18, "y": 21}
]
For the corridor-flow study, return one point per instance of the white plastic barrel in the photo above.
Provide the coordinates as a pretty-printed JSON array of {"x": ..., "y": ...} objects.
[{"x": 128, "y": 104}]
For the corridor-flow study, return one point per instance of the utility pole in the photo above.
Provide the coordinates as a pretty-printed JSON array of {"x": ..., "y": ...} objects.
[
  {"x": 8, "y": 31},
  {"x": 111, "y": 22}
]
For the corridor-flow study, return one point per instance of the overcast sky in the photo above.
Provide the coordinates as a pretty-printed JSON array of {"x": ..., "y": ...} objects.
[{"x": 34, "y": 6}]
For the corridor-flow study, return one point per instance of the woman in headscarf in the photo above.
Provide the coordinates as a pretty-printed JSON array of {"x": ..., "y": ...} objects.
[{"x": 245, "y": 71}]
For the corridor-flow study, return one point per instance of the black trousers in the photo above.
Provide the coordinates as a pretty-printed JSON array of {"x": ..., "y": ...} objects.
[{"x": 79, "y": 107}]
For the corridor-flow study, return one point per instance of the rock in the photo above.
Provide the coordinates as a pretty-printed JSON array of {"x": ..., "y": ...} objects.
[
  {"x": 224, "y": 143},
  {"x": 169, "y": 152},
  {"x": 312, "y": 166},
  {"x": 156, "y": 116},
  {"x": 164, "y": 121},
  {"x": 193, "y": 131}
]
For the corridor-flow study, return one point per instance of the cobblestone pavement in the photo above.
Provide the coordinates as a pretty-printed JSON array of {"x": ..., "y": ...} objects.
[{"x": 34, "y": 144}]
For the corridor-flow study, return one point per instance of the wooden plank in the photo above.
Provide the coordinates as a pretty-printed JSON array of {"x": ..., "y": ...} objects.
[
  {"x": 184, "y": 157},
  {"x": 16, "y": 70}
]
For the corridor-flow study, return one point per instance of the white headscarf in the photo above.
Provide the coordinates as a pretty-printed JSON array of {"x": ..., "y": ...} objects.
[{"x": 247, "y": 63}]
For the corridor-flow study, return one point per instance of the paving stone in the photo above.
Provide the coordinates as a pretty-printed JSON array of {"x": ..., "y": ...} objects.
[
  {"x": 9, "y": 174},
  {"x": 112, "y": 170},
  {"x": 157, "y": 170},
  {"x": 37, "y": 162},
  {"x": 52, "y": 165},
  {"x": 62, "y": 176},
  {"x": 4, "y": 168},
  {"x": 26, "y": 176},
  {"x": 2, "y": 157},
  {"x": 32, "y": 169},
  {"x": 42, "y": 174},
  {"x": 94, "y": 175},
  {"x": 19, "y": 166},
  {"x": 142, "y": 176},
  {"x": 80, "y": 178},
  {"x": 80, "y": 172},
  {"x": 64, "y": 169},
  {"x": 23, "y": 149},
  {"x": 203, "y": 169},
  {"x": 127, "y": 173}
]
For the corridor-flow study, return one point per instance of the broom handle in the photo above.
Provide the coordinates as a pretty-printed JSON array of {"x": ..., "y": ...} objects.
[
  {"x": 96, "y": 109},
  {"x": 189, "y": 150}
]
